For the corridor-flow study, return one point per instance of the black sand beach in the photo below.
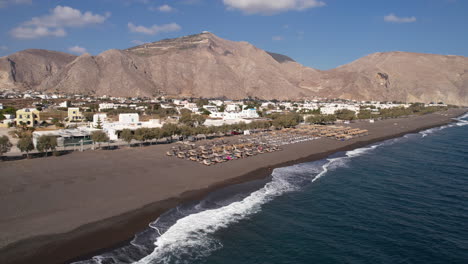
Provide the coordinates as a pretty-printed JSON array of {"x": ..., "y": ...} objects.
[{"x": 59, "y": 208}]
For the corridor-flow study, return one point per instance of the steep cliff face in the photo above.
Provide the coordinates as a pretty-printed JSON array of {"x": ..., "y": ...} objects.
[
  {"x": 401, "y": 76},
  {"x": 28, "y": 68},
  {"x": 205, "y": 65}
]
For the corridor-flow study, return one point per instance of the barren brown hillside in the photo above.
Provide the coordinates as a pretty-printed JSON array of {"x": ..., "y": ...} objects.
[{"x": 205, "y": 65}]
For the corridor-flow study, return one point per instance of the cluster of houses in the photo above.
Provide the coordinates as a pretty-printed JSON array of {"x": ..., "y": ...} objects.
[{"x": 218, "y": 112}]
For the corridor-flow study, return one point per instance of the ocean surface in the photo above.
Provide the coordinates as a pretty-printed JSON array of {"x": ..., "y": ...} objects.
[{"x": 404, "y": 200}]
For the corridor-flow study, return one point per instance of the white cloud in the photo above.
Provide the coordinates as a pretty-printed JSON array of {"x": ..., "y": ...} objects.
[
  {"x": 37, "y": 32},
  {"x": 77, "y": 50},
  {"x": 138, "y": 42},
  {"x": 154, "y": 29},
  {"x": 277, "y": 38},
  {"x": 5, "y": 3},
  {"x": 395, "y": 19},
  {"x": 163, "y": 8},
  {"x": 270, "y": 7},
  {"x": 55, "y": 23}
]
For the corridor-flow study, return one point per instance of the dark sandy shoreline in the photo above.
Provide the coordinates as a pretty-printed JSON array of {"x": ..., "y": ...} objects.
[{"x": 32, "y": 225}]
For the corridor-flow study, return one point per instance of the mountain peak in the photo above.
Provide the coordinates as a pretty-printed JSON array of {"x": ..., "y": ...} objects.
[{"x": 181, "y": 43}]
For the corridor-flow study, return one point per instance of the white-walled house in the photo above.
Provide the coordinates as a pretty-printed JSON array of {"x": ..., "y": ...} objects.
[
  {"x": 105, "y": 106},
  {"x": 113, "y": 128},
  {"x": 246, "y": 113},
  {"x": 232, "y": 108},
  {"x": 329, "y": 109},
  {"x": 99, "y": 118},
  {"x": 129, "y": 118},
  {"x": 211, "y": 108}
]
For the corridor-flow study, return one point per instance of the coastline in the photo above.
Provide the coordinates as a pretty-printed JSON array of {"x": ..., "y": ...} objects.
[{"x": 111, "y": 231}]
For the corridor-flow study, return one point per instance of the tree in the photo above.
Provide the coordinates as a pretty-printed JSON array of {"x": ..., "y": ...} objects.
[
  {"x": 170, "y": 129},
  {"x": 5, "y": 145},
  {"x": 46, "y": 143},
  {"x": 99, "y": 123},
  {"x": 204, "y": 111},
  {"x": 345, "y": 114},
  {"x": 199, "y": 119},
  {"x": 25, "y": 144},
  {"x": 286, "y": 120},
  {"x": 156, "y": 133},
  {"x": 364, "y": 114},
  {"x": 321, "y": 119},
  {"x": 186, "y": 119},
  {"x": 143, "y": 134},
  {"x": 127, "y": 136},
  {"x": 201, "y": 102},
  {"x": 222, "y": 108},
  {"x": 99, "y": 137}
]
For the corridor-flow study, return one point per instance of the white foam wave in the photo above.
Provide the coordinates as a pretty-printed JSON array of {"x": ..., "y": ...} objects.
[
  {"x": 460, "y": 122},
  {"x": 191, "y": 237}
]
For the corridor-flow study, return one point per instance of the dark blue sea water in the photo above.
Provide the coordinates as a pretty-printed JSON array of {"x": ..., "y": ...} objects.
[{"x": 400, "y": 201}]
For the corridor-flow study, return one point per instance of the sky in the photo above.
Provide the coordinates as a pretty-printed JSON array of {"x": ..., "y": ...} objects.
[{"x": 322, "y": 34}]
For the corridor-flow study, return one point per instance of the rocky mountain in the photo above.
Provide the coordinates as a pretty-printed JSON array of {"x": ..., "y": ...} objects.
[
  {"x": 401, "y": 76},
  {"x": 29, "y": 68},
  {"x": 205, "y": 65}
]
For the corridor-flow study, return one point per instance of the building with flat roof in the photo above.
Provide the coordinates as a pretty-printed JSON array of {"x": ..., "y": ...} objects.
[
  {"x": 74, "y": 114},
  {"x": 67, "y": 137},
  {"x": 28, "y": 116}
]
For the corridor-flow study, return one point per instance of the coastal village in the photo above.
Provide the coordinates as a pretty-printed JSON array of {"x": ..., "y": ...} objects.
[{"x": 35, "y": 123}]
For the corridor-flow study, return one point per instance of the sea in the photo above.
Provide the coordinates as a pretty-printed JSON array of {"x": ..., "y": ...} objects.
[{"x": 404, "y": 200}]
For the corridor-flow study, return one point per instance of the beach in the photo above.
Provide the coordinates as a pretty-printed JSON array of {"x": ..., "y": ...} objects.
[{"x": 60, "y": 208}]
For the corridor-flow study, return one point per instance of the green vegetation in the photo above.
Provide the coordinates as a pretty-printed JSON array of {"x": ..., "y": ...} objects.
[
  {"x": 286, "y": 120},
  {"x": 345, "y": 114},
  {"x": 99, "y": 137},
  {"x": 190, "y": 119},
  {"x": 127, "y": 135},
  {"x": 414, "y": 109},
  {"x": 321, "y": 119},
  {"x": 201, "y": 102},
  {"x": 169, "y": 130},
  {"x": 7, "y": 111},
  {"x": 46, "y": 143},
  {"x": 5, "y": 145},
  {"x": 364, "y": 114},
  {"x": 25, "y": 144}
]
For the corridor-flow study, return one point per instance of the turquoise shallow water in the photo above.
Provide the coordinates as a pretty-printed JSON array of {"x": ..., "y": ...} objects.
[{"x": 400, "y": 201}]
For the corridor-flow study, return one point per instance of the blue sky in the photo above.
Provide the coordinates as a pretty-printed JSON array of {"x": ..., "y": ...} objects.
[{"x": 317, "y": 33}]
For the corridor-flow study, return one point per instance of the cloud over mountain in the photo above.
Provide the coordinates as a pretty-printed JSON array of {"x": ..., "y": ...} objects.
[
  {"x": 77, "y": 50},
  {"x": 154, "y": 29},
  {"x": 268, "y": 7},
  {"x": 54, "y": 24}
]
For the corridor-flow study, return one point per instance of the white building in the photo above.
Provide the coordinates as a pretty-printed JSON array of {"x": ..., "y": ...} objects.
[
  {"x": 232, "y": 108},
  {"x": 99, "y": 118},
  {"x": 211, "y": 108},
  {"x": 129, "y": 118},
  {"x": 191, "y": 106},
  {"x": 329, "y": 109},
  {"x": 244, "y": 114},
  {"x": 113, "y": 129},
  {"x": 64, "y": 104},
  {"x": 105, "y": 106}
]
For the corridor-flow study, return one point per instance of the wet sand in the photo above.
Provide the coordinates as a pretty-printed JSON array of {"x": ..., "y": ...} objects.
[{"x": 59, "y": 208}]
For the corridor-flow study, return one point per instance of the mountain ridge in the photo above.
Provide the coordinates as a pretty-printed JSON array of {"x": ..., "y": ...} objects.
[{"x": 205, "y": 65}]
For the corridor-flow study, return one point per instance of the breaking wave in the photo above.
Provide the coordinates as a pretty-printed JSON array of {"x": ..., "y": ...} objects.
[
  {"x": 460, "y": 122},
  {"x": 191, "y": 237},
  {"x": 186, "y": 233}
]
